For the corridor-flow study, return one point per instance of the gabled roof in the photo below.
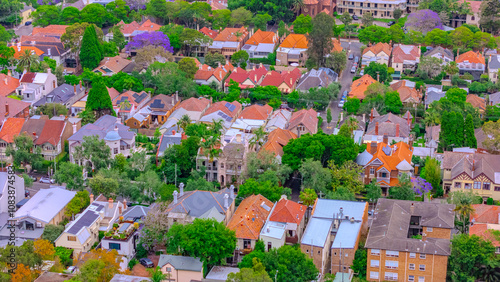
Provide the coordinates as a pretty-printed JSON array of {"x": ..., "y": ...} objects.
[
  {"x": 61, "y": 94},
  {"x": 20, "y": 50},
  {"x": 287, "y": 211},
  {"x": 208, "y": 32},
  {"x": 101, "y": 127},
  {"x": 321, "y": 77},
  {"x": 406, "y": 90},
  {"x": 402, "y": 53},
  {"x": 387, "y": 125},
  {"x": 46, "y": 204},
  {"x": 161, "y": 103},
  {"x": 295, "y": 41},
  {"x": 360, "y": 85},
  {"x": 256, "y": 74},
  {"x": 440, "y": 51},
  {"x": 10, "y": 128},
  {"x": 204, "y": 72},
  {"x": 195, "y": 104},
  {"x": 494, "y": 63},
  {"x": 308, "y": 118},
  {"x": 8, "y": 85},
  {"x": 51, "y": 132},
  {"x": 181, "y": 263},
  {"x": 256, "y": 112},
  {"x": 50, "y": 30},
  {"x": 115, "y": 64},
  {"x": 377, "y": 48},
  {"x": 476, "y": 101},
  {"x": 15, "y": 107},
  {"x": 229, "y": 34},
  {"x": 485, "y": 214},
  {"x": 230, "y": 109},
  {"x": 250, "y": 217},
  {"x": 475, "y": 6},
  {"x": 238, "y": 75},
  {"x": 132, "y": 97},
  {"x": 278, "y": 139},
  {"x": 471, "y": 57},
  {"x": 147, "y": 26},
  {"x": 28, "y": 77},
  {"x": 196, "y": 203},
  {"x": 275, "y": 78},
  {"x": 336, "y": 45},
  {"x": 474, "y": 165},
  {"x": 262, "y": 37}
]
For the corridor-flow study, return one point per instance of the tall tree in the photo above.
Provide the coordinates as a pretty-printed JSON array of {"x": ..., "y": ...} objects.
[
  {"x": 403, "y": 190},
  {"x": 188, "y": 65},
  {"x": 492, "y": 128},
  {"x": 470, "y": 138},
  {"x": 433, "y": 175},
  {"x": 367, "y": 19},
  {"x": 320, "y": 38},
  {"x": 302, "y": 24},
  {"x": 28, "y": 60},
  {"x": 99, "y": 101},
  {"x": 373, "y": 191},
  {"x": 468, "y": 254},
  {"x": 90, "y": 52}
]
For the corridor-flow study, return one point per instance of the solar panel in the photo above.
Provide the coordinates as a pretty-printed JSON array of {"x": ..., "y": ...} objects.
[
  {"x": 157, "y": 103},
  {"x": 124, "y": 227},
  {"x": 227, "y": 105},
  {"x": 84, "y": 220},
  {"x": 232, "y": 107}
]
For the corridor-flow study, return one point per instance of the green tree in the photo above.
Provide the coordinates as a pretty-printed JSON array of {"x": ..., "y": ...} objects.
[
  {"x": 213, "y": 59},
  {"x": 157, "y": 275},
  {"x": 118, "y": 37},
  {"x": 77, "y": 204},
  {"x": 25, "y": 254},
  {"x": 329, "y": 115},
  {"x": 282, "y": 29},
  {"x": 373, "y": 34},
  {"x": 240, "y": 58},
  {"x": 259, "y": 246},
  {"x": 255, "y": 274},
  {"x": 380, "y": 71},
  {"x": 352, "y": 105},
  {"x": 463, "y": 202},
  {"x": 302, "y": 24},
  {"x": 315, "y": 176},
  {"x": 346, "y": 175},
  {"x": 241, "y": 16},
  {"x": 345, "y": 18},
  {"x": 221, "y": 19},
  {"x": 367, "y": 19},
  {"x": 28, "y": 60},
  {"x": 105, "y": 186},
  {"x": 93, "y": 150},
  {"x": 492, "y": 128},
  {"x": 308, "y": 196},
  {"x": 45, "y": 15},
  {"x": 397, "y": 13},
  {"x": 433, "y": 176},
  {"x": 260, "y": 21},
  {"x": 468, "y": 254},
  {"x": 266, "y": 188},
  {"x": 393, "y": 102},
  {"x": 462, "y": 37},
  {"x": 96, "y": 14},
  {"x": 336, "y": 61},
  {"x": 470, "y": 138},
  {"x": 90, "y": 52},
  {"x": 360, "y": 262},
  {"x": 158, "y": 9},
  {"x": 188, "y": 65},
  {"x": 320, "y": 38},
  {"x": 373, "y": 191},
  {"x": 403, "y": 190},
  {"x": 51, "y": 232},
  {"x": 99, "y": 101},
  {"x": 69, "y": 16},
  {"x": 6, "y": 55},
  {"x": 52, "y": 109},
  {"x": 23, "y": 152},
  {"x": 71, "y": 174}
]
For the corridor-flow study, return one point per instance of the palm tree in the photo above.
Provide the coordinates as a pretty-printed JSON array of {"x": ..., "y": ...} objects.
[
  {"x": 28, "y": 59},
  {"x": 297, "y": 5},
  {"x": 489, "y": 271},
  {"x": 451, "y": 68},
  {"x": 352, "y": 124},
  {"x": 125, "y": 105},
  {"x": 258, "y": 139},
  {"x": 184, "y": 122},
  {"x": 463, "y": 209},
  {"x": 157, "y": 275}
]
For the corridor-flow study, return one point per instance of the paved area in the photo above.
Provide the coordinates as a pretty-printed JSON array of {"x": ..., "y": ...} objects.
[{"x": 24, "y": 30}]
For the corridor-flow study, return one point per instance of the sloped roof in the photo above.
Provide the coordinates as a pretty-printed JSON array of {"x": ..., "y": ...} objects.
[
  {"x": 161, "y": 103},
  {"x": 377, "y": 48},
  {"x": 262, "y": 37},
  {"x": 485, "y": 214},
  {"x": 250, "y": 217},
  {"x": 15, "y": 107},
  {"x": 321, "y": 77},
  {"x": 360, "y": 85},
  {"x": 406, "y": 91},
  {"x": 132, "y": 97},
  {"x": 475, "y": 6},
  {"x": 28, "y": 77},
  {"x": 115, "y": 64},
  {"x": 50, "y": 30},
  {"x": 308, "y": 118},
  {"x": 147, "y": 26},
  {"x": 51, "y": 132},
  {"x": 229, "y": 34},
  {"x": 196, "y": 203},
  {"x": 439, "y": 50},
  {"x": 471, "y": 57},
  {"x": 10, "y": 128},
  {"x": 8, "y": 84},
  {"x": 238, "y": 75},
  {"x": 46, "y": 204},
  {"x": 194, "y": 104},
  {"x": 101, "y": 127},
  {"x": 295, "y": 41},
  {"x": 494, "y": 63},
  {"x": 18, "y": 51},
  {"x": 256, "y": 112},
  {"x": 230, "y": 109},
  {"x": 392, "y": 155},
  {"x": 181, "y": 262},
  {"x": 387, "y": 125},
  {"x": 287, "y": 211},
  {"x": 336, "y": 45},
  {"x": 402, "y": 53},
  {"x": 476, "y": 101},
  {"x": 275, "y": 78},
  {"x": 208, "y": 32},
  {"x": 483, "y": 230},
  {"x": 278, "y": 139}
]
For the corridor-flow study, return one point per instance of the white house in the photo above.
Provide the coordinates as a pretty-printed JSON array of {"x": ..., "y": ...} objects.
[{"x": 35, "y": 85}]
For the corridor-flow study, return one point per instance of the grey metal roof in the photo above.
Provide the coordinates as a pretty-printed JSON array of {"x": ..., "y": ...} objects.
[
  {"x": 128, "y": 278},
  {"x": 214, "y": 214},
  {"x": 46, "y": 204},
  {"x": 432, "y": 96},
  {"x": 363, "y": 158},
  {"x": 316, "y": 232},
  {"x": 440, "y": 50},
  {"x": 136, "y": 212},
  {"x": 220, "y": 273},
  {"x": 391, "y": 221},
  {"x": 495, "y": 62},
  {"x": 84, "y": 220},
  {"x": 321, "y": 77},
  {"x": 101, "y": 127},
  {"x": 347, "y": 235},
  {"x": 197, "y": 203},
  {"x": 494, "y": 98},
  {"x": 181, "y": 262}
]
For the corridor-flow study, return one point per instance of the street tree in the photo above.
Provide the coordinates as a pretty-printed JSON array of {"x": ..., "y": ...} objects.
[
  {"x": 367, "y": 19},
  {"x": 71, "y": 174},
  {"x": 188, "y": 65},
  {"x": 336, "y": 61},
  {"x": 240, "y": 59},
  {"x": 302, "y": 24}
]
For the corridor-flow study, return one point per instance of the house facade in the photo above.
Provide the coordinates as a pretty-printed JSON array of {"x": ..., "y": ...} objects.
[
  {"x": 33, "y": 86},
  {"x": 293, "y": 50},
  {"x": 229, "y": 41},
  {"x": 493, "y": 66},
  {"x": 180, "y": 268},
  {"x": 304, "y": 122},
  {"x": 261, "y": 44},
  {"x": 378, "y": 53},
  {"x": 471, "y": 62},
  {"x": 156, "y": 111},
  {"x": 445, "y": 55},
  {"x": 405, "y": 57},
  {"x": 379, "y": 9}
]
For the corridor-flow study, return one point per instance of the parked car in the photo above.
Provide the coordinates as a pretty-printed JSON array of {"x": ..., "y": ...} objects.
[
  {"x": 391, "y": 23},
  {"x": 70, "y": 269},
  {"x": 362, "y": 72},
  {"x": 341, "y": 104},
  {"x": 344, "y": 94},
  {"x": 27, "y": 23},
  {"x": 351, "y": 56},
  {"x": 354, "y": 17},
  {"x": 26, "y": 193},
  {"x": 356, "y": 60},
  {"x": 146, "y": 262},
  {"x": 353, "y": 70},
  {"x": 46, "y": 180}
]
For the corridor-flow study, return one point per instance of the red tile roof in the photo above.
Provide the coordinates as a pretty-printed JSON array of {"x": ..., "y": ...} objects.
[
  {"x": 229, "y": 34},
  {"x": 113, "y": 93},
  {"x": 221, "y": 106},
  {"x": 250, "y": 217},
  {"x": 275, "y": 78},
  {"x": 11, "y": 128},
  {"x": 476, "y": 101},
  {"x": 204, "y": 72},
  {"x": 475, "y": 6},
  {"x": 278, "y": 139},
  {"x": 208, "y": 32},
  {"x": 18, "y": 51},
  {"x": 51, "y": 132},
  {"x": 481, "y": 230},
  {"x": 256, "y": 112},
  {"x": 402, "y": 53},
  {"x": 133, "y": 26},
  {"x": 256, "y": 74},
  {"x": 486, "y": 214},
  {"x": 15, "y": 107},
  {"x": 471, "y": 57},
  {"x": 195, "y": 104},
  {"x": 51, "y": 30},
  {"x": 262, "y": 37},
  {"x": 28, "y": 77},
  {"x": 308, "y": 118},
  {"x": 288, "y": 211},
  {"x": 8, "y": 85},
  {"x": 238, "y": 75}
]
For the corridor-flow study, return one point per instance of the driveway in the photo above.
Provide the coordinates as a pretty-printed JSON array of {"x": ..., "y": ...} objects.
[{"x": 24, "y": 30}]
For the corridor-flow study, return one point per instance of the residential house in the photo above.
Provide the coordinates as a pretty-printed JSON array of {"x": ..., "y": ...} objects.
[
  {"x": 25, "y": 14},
  {"x": 111, "y": 65},
  {"x": 445, "y": 55},
  {"x": 471, "y": 172},
  {"x": 167, "y": 140},
  {"x": 304, "y": 122},
  {"x": 379, "y": 9},
  {"x": 224, "y": 111},
  {"x": 284, "y": 225},
  {"x": 220, "y": 273},
  {"x": 378, "y": 53},
  {"x": 285, "y": 81},
  {"x": 134, "y": 28},
  {"x": 20, "y": 50},
  {"x": 8, "y": 84},
  {"x": 433, "y": 93},
  {"x": 248, "y": 221},
  {"x": 396, "y": 128},
  {"x": 129, "y": 102},
  {"x": 209, "y": 32},
  {"x": 13, "y": 108},
  {"x": 481, "y": 137},
  {"x": 409, "y": 241},
  {"x": 187, "y": 206},
  {"x": 124, "y": 277},
  {"x": 337, "y": 47},
  {"x": 432, "y": 135},
  {"x": 51, "y": 47},
  {"x": 484, "y": 220},
  {"x": 229, "y": 41},
  {"x": 253, "y": 117},
  {"x": 126, "y": 238},
  {"x": 279, "y": 119},
  {"x": 195, "y": 107},
  {"x": 477, "y": 102},
  {"x": 359, "y": 86},
  {"x": 493, "y": 66},
  {"x": 156, "y": 111},
  {"x": 10, "y": 128},
  {"x": 471, "y": 62},
  {"x": 52, "y": 30},
  {"x": 173, "y": 119},
  {"x": 246, "y": 79},
  {"x": 11, "y": 193},
  {"x": 47, "y": 206},
  {"x": 82, "y": 233},
  {"x": 34, "y": 85},
  {"x": 293, "y": 50},
  {"x": 117, "y": 136},
  {"x": 475, "y": 16},
  {"x": 261, "y": 44},
  {"x": 319, "y": 78},
  {"x": 385, "y": 163},
  {"x": 206, "y": 75},
  {"x": 494, "y": 99},
  {"x": 180, "y": 268},
  {"x": 276, "y": 140},
  {"x": 314, "y": 7},
  {"x": 333, "y": 232},
  {"x": 405, "y": 57},
  {"x": 407, "y": 92},
  {"x": 65, "y": 94}
]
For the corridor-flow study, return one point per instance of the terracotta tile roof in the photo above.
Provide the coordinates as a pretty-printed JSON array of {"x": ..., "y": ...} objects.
[
  {"x": 11, "y": 128},
  {"x": 15, "y": 107},
  {"x": 256, "y": 112},
  {"x": 28, "y": 77},
  {"x": 229, "y": 34},
  {"x": 51, "y": 132},
  {"x": 275, "y": 78},
  {"x": 278, "y": 139},
  {"x": 18, "y": 51},
  {"x": 377, "y": 48},
  {"x": 36, "y": 38},
  {"x": 222, "y": 106},
  {"x": 402, "y": 53},
  {"x": 336, "y": 45},
  {"x": 195, "y": 104},
  {"x": 8, "y": 85},
  {"x": 262, "y": 37},
  {"x": 50, "y": 30},
  {"x": 471, "y": 57},
  {"x": 476, "y": 101},
  {"x": 310, "y": 2},
  {"x": 482, "y": 230},
  {"x": 204, "y": 72},
  {"x": 475, "y": 6},
  {"x": 308, "y": 118},
  {"x": 218, "y": 6},
  {"x": 326, "y": 11},
  {"x": 392, "y": 157},
  {"x": 256, "y": 74},
  {"x": 133, "y": 26},
  {"x": 406, "y": 92},
  {"x": 295, "y": 41},
  {"x": 149, "y": 26},
  {"x": 288, "y": 211},
  {"x": 208, "y": 32},
  {"x": 250, "y": 217},
  {"x": 161, "y": 103},
  {"x": 238, "y": 75},
  {"x": 132, "y": 97},
  {"x": 113, "y": 93},
  {"x": 486, "y": 214},
  {"x": 360, "y": 85},
  {"x": 115, "y": 64}
]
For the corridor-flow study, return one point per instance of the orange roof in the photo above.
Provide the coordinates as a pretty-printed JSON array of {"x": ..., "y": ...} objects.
[
  {"x": 51, "y": 30},
  {"x": 475, "y": 6},
  {"x": 204, "y": 72},
  {"x": 16, "y": 107},
  {"x": 406, "y": 92},
  {"x": 113, "y": 93},
  {"x": 256, "y": 112},
  {"x": 8, "y": 85},
  {"x": 486, "y": 214},
  {"x": 115, "y": 64},
  {"x": 149, "y": 26},
  {"x": 229, "y": 34},
  {"x": 481, "y": 230},
  {"x": 471, "y": 57},
  {"x": 288, "y": 211},
  {"x": 391, "y": 156},
  {"x": 402, "y": 53},
  {"x": 194, "y": 104},
  {"x": 278, "y": 139},
  {"x": 295, "y": 41},
  {"x": 250, "y": 217},
  {"x": 308, "y": 118},
  {"x": 18, "y": 51},
  {"x": 476, "y": 101},
  {"x": 133, "y": 26},
  {"x": 262, "y": 37},
  {"x": 51, "y": 132},
  {"x": 360, "y": 85},
  {"x": 377, "y": 48},
  {"x": 336, "y": 45},
  {"x": 11, "y": 128},
  {"x": 208, "y": 32},
  {"x": 221, "y": 106}
]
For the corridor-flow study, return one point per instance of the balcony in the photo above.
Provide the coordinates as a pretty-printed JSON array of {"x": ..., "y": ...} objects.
[{"x": 292, "y": 240}]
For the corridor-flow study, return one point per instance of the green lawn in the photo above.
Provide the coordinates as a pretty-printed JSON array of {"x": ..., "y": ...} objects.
[{"x": 384, "y": 20}]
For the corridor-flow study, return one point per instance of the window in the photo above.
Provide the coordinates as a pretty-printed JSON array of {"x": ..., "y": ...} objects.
[
  {"x": 486, "y": 186},
  {"x": 421, "y": 267},
  {"x": 373, "y": 275},
  {"x": 383, "y": 174},
  {"x": 247, "y": 244},
  {"x": 394, "y": 254},
  {"x": 411, "y": 266},
  {"x": 269, "y": 246},
  {"x": 391, "y": 264},
  {"x": 467, "y": 186},
  {"x": 497, "y": 188},
  {"x": 169, "y": 269},
  {"x": 411, "y": 278},
  {"x": 429, "y": 229},
  {"x": 221, "y": 165},
  {"x": 422, "y": 256},
  {"x": 458, "y": 185},
  {"x": 115, "y": 150},
  {"x": 372, "y": 171},
  {"x": 375, "y": 252},
  {"x": 391, "y": 276},
  {"x": 497, "y": 251},
  {"x": 115, "y": 246},
  {"x": 72, "y": 238},
  {"x": 413, "y": 255},
  {"x": 374, "y": 263},
  {"x": 477, "y": 185},
  {"x": 421, "y": 279}
]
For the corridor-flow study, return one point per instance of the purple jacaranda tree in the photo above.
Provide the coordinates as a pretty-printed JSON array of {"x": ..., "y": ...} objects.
[
  {"x": 424, "y": 21},
  {"x": 155, "y": 38},
  {"x": 421, "y": 186}
]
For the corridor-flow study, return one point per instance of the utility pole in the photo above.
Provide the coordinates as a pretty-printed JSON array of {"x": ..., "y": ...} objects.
[
  {"x": 276, "y": 276},
  {"x": 175, "y": 175}
]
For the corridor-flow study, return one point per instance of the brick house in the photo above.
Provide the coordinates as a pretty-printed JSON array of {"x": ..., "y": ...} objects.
[{"x": 292, "y": 50}]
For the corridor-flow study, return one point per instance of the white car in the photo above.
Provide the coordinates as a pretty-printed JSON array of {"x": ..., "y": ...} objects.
[
  {"x": 341, "y": 104},
  {"x": 353, "y": 69}
]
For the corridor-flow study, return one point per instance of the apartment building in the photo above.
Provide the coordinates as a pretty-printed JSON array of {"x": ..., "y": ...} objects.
[
  {"x": 409, "y": 241},
  {"x": 379, "y": 9}
]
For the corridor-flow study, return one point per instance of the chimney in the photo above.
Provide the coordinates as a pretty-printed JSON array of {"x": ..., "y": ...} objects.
[
  {"x": 6, "y": 80},
  {"x": 116, "y": 128},
  {"x": 376, "y": 128},
  {"x": 255, "y": 78},
  {"x": 124, "y": 204},
  {"x": 378, "y": 77},
  {"x": 110, "y": 203},
  {"x": 175, "y": 196},
  {"x": 373, "y": 147},
  {"x": 6, "y": 109},
  {"x": 364, "y": 118},
  {"x": 412, "y": 209},
  {"x": 49, "y": 71},
  {"x": 283, "y": 197},
  {"x": 238, "y": 138},
  {"x": 9, "y": 73},
  {"x": 173, "y": 132},
  {"x": 397, "y": 129},
  {"x": 410, "y": 143},
  {"x": 291, "y": 81},
  {"x": 53, "y": 84},
  {"x": 498, "y": 218},
  {"x": 226, "y": 201},
  {"x": 371, "y": 115},
  {"x": 118, "y": 120},
  {"x": 91, "y": 198},
  {"x": 74, "y": 88},
  {"x": 181, "y": 189},
  {"x": 386, "y": 138},
  {"x": 253, "y": 68},
  {"x": 176, "y": 96},
  {"x": 80, "y": 85},
  {"x": 458, "y": 52},
  {"x": 341, "y": 116},
  {"x": 408, "y": 119},
  {"x": 231, "y": 191},
  {"x": 49, "y": 53},
  {"x": 74, "y": 128}
]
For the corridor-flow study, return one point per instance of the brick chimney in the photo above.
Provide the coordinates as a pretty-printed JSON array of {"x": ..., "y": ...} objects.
[
  {"x": 373, "y": 147},
  {"x": 54, "y": 84},
  {"x": 91, "y": 198},
  {"x": 6, "y": 109},
  {"x": 397, "y": 129},
  {"x": 371, "y": 115},
  {"x": 74, "y": 88},
  {"x": 181, "y": 189},
  {"x": 386, "y": 138},
  {"x": 226, "y": 201},
  {"x": 110, "y": 203},
  {"x": 408, "y": 120},
  {"x": 124, "y": 204},
  {"x": 376, "y": 128}
]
